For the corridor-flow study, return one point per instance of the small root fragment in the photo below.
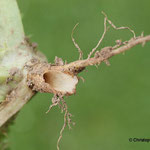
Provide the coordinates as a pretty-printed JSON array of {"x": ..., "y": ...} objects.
[
  {"x": 142, "y": 35},
  {"x": 81, "y": 78},
  {"x": 58, "y": 61},
  {"x": 118, "y": 44},
  {"x": 75, "y": 44},
  {"x": 55, "y": 102}
]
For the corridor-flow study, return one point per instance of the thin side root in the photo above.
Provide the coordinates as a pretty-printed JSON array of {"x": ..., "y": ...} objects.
[
  {"x": 101, "y": 39},
  {"x": 105, "y": 30},
  {"x": 63, "y": 128},
  {"x": 75, "y": 44},
  {"x": 67, "y": 121},
  {"x": 119, "y": 28},
  {"x": 58, "y": 100},
  {"x": 55, "y": 102}
]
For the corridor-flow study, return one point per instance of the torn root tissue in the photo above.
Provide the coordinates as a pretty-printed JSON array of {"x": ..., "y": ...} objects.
[
  {"x": 45, "y": 78},
  {"x": 61, "y": 82}
]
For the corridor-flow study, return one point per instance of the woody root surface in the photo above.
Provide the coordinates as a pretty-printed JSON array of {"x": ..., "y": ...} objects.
[{"x": 61, "y": 78}]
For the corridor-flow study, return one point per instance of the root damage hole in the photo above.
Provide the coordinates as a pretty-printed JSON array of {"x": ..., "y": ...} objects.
[{"x": 61, "y": 82}]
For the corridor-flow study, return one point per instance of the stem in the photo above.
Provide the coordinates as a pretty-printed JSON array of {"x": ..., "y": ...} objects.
[
  {"x": 11, "y": 28},
  {"x": 15, "y": 52}
]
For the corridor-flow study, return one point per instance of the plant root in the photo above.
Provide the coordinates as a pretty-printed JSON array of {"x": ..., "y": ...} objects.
[
  {"x": 59, "y": 100},
  {"x": 75, "y": 44},
  {"x": 78, "y": 66}
]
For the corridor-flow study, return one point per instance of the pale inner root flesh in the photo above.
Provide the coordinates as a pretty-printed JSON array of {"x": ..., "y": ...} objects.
[{"x": 61, "y": 82}]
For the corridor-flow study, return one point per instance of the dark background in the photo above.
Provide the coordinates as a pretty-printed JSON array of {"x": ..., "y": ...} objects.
[{"x": 114, "y": 102}]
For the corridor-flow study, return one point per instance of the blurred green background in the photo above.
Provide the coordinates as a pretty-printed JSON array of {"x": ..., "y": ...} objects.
[{"x": 113, "y": 104}]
